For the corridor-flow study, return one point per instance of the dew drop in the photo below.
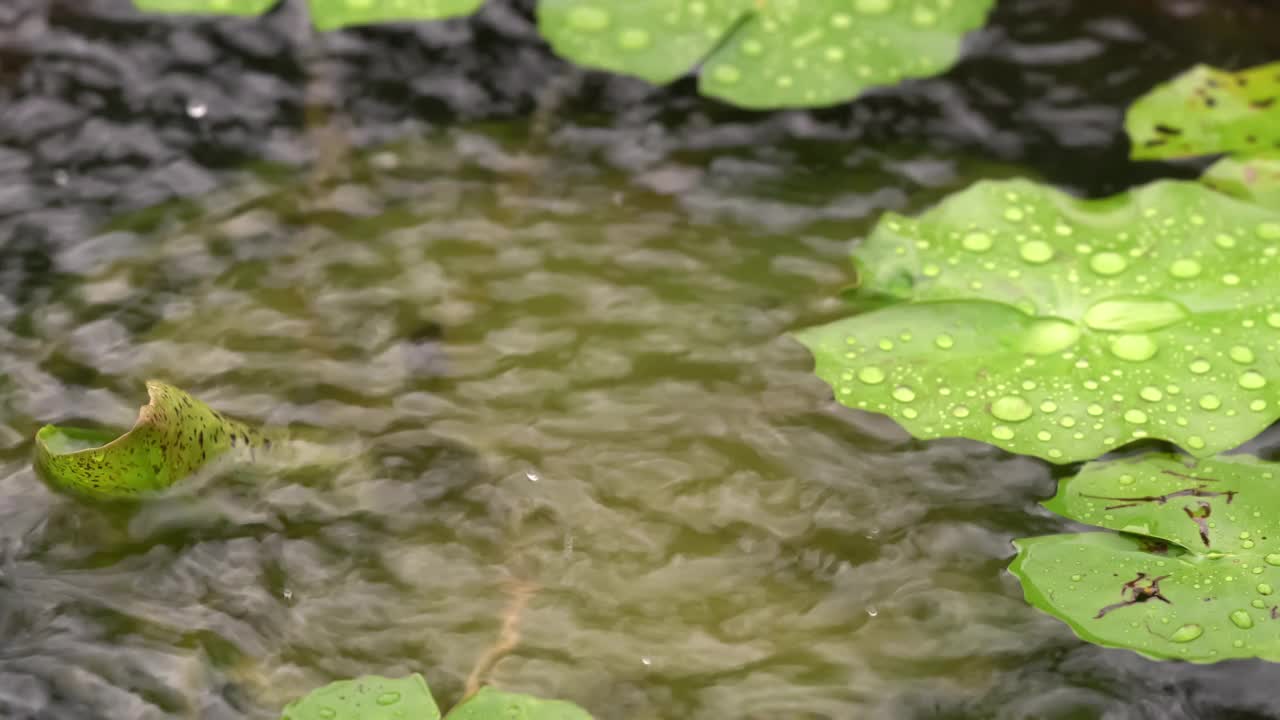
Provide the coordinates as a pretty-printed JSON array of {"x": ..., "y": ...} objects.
[
  {"x": 1195, "y": 442},
  {"x": 1273, "y": 320},
  {"x": 1036, "y": 252},
  {"x": 1050, "y": 335},
  {"x": 1067, "y": 421},
  {"x": 1184, "y": 269},
  {"x": 1011, "y": 408},
  {"x": 634, "y": 39},
  {"x": 727, "y": 74},
  {"x": 1094, "y": 410},
  {"x": 1250, "y": 380},
  {"x": 1272, "y": 559},
  {"x": 1224, "y": 241},
  {"x": 1135, "y": 416},
  {"x": 1264, "y": 589},
  {"x": 944, "y": 341},
  {"x": 1126, "y": 480},
  {"x": 1048, "y": 406},
  {"x": 903, "y": 394},
  {"x": 1186, "y": 633},
  {"x": 1210, "y": 402},
  {"x": 873, "y": 7},
  {"x": 1242, "y": 619},
  {"x": 1199, "y": 367},
  {"x": 1134, "y": 314},
  {"x": 1002, "y": 432},
  {"x": 841, "y": 20},
  {"x": 977, "y": 242},
  {"x": 1134, "y": 348},
  {"x": 328, "y": 713},
  {"x": 1241, "y": 354},
  {"x": 871, "y": 375},
  {"x": 1108, "y": 263},
  {"x": 1151, "y": 394},
  {"x": 924, "y": 17},
  {"x": 388, "y": 698},
  {"x": 752, "y": 47},
  {"x": 1269, "y": 231},
  {"x": 588, "y": 18}
]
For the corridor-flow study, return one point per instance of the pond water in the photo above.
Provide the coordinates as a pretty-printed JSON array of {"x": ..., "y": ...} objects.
[{"x": 528, "y": 325}]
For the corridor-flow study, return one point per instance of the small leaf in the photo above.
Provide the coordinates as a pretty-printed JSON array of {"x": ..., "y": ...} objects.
[
  {"x": 1064, "y": 328},
  {"x": 175, "y": 435},
  {"x": 491, "y": 704},
  {"x": 1193, "y": 576},
  {"x": 1206, "y": 111},
  {"x": 1256, "y": 179},
  {"x": 367, "y": 698},
  {"x": 207, "y": 7},
  {"x": 756, "y": 54},
  {"x": 331, "y": 14}
]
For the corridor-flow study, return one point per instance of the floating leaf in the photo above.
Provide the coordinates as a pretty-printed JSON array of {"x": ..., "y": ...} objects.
[
  {"x": 1064, "y": 328},
  {"x": 1206, "y": 111},
  {"x": 1194, "y": 574},
  {"x": 367, "y": 698},
  {"x": 325, "y": 14},
  {"x": 175, "y": 434},
  {"x": 330, "y": 14},
  {"x": 781, "y": 53},
  {"x": 491, "y": 704},
  {"x": 206, "y": 7},
  {"x": 1256, "y": 179}
]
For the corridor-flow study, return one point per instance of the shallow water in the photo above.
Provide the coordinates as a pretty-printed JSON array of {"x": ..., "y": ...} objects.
[{"x": 528, "y": 325}]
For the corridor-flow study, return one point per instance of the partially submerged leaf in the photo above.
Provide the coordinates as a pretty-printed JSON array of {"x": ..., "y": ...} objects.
[
  {"x": 1256, "y": 179},
  {"x": 206, "y": 7},
  {"x": 367, "y": 698},
  {"x": 175, "y": 435},
  {"x": 1194, "y": 573},
  {"x": 331, "y": 14},
  {"x": 491, "y": 704},
  {"x": 781, "y": 53},
  {"x": 1206, "y": 111},
  {"x": 1064, "y": 328}
]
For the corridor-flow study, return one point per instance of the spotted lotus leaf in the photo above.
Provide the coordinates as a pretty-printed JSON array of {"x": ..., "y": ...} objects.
[
  {"x": 331, "y": 14},
  {"x": 1193, "y": 572},
  {"x": 206, "y": 7},
  {"x": 1206, "y": 111},
  {"x": 491, "y": 704},
  {"x": 1256, "y": 179},
  {"x": 326, "y": 14},
  {"x": 367, "y": 698},
  {"x": 765, "y": 54},
  {"x": 1064, "y": 328},
  {"x": 175, "y": 435}
]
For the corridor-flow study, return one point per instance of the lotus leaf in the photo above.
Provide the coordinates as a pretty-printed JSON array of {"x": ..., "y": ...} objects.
[
  {"x": 780, "y": 53},
  {"x": 1256, "y": 179},
  {"x": 1207, "y": 111},
  {"x": 367, "y": 698},
  {"x": 491, "y": 704},
  {"x": 1191, "y": 575},
  {"x": 175, "y": 435},
  {"x": 1064, "y": 328},
  {"x": 326, "y": 14}
]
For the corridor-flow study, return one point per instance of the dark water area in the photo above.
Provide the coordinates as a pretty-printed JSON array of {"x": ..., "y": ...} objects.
[{"x": 527, "y": 324}]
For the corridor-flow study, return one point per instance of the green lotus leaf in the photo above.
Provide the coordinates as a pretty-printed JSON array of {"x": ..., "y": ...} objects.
[
  {"x": 1064, "y": 328},
  {"x": 491, "y": 704},
  {"x": 367, "y": 698},
  {"x": 175, "y": 435},
  {"x": 206, "y": 7},
  {"x": 1256, "y": 179},
  {"x": 331, "y": 14},
  {"x": 1206, "y": 111},
  {"x": 326, "y": 14},
  {"x": 1191, "y": 575},
  {"x": 765, "y": 53}
]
